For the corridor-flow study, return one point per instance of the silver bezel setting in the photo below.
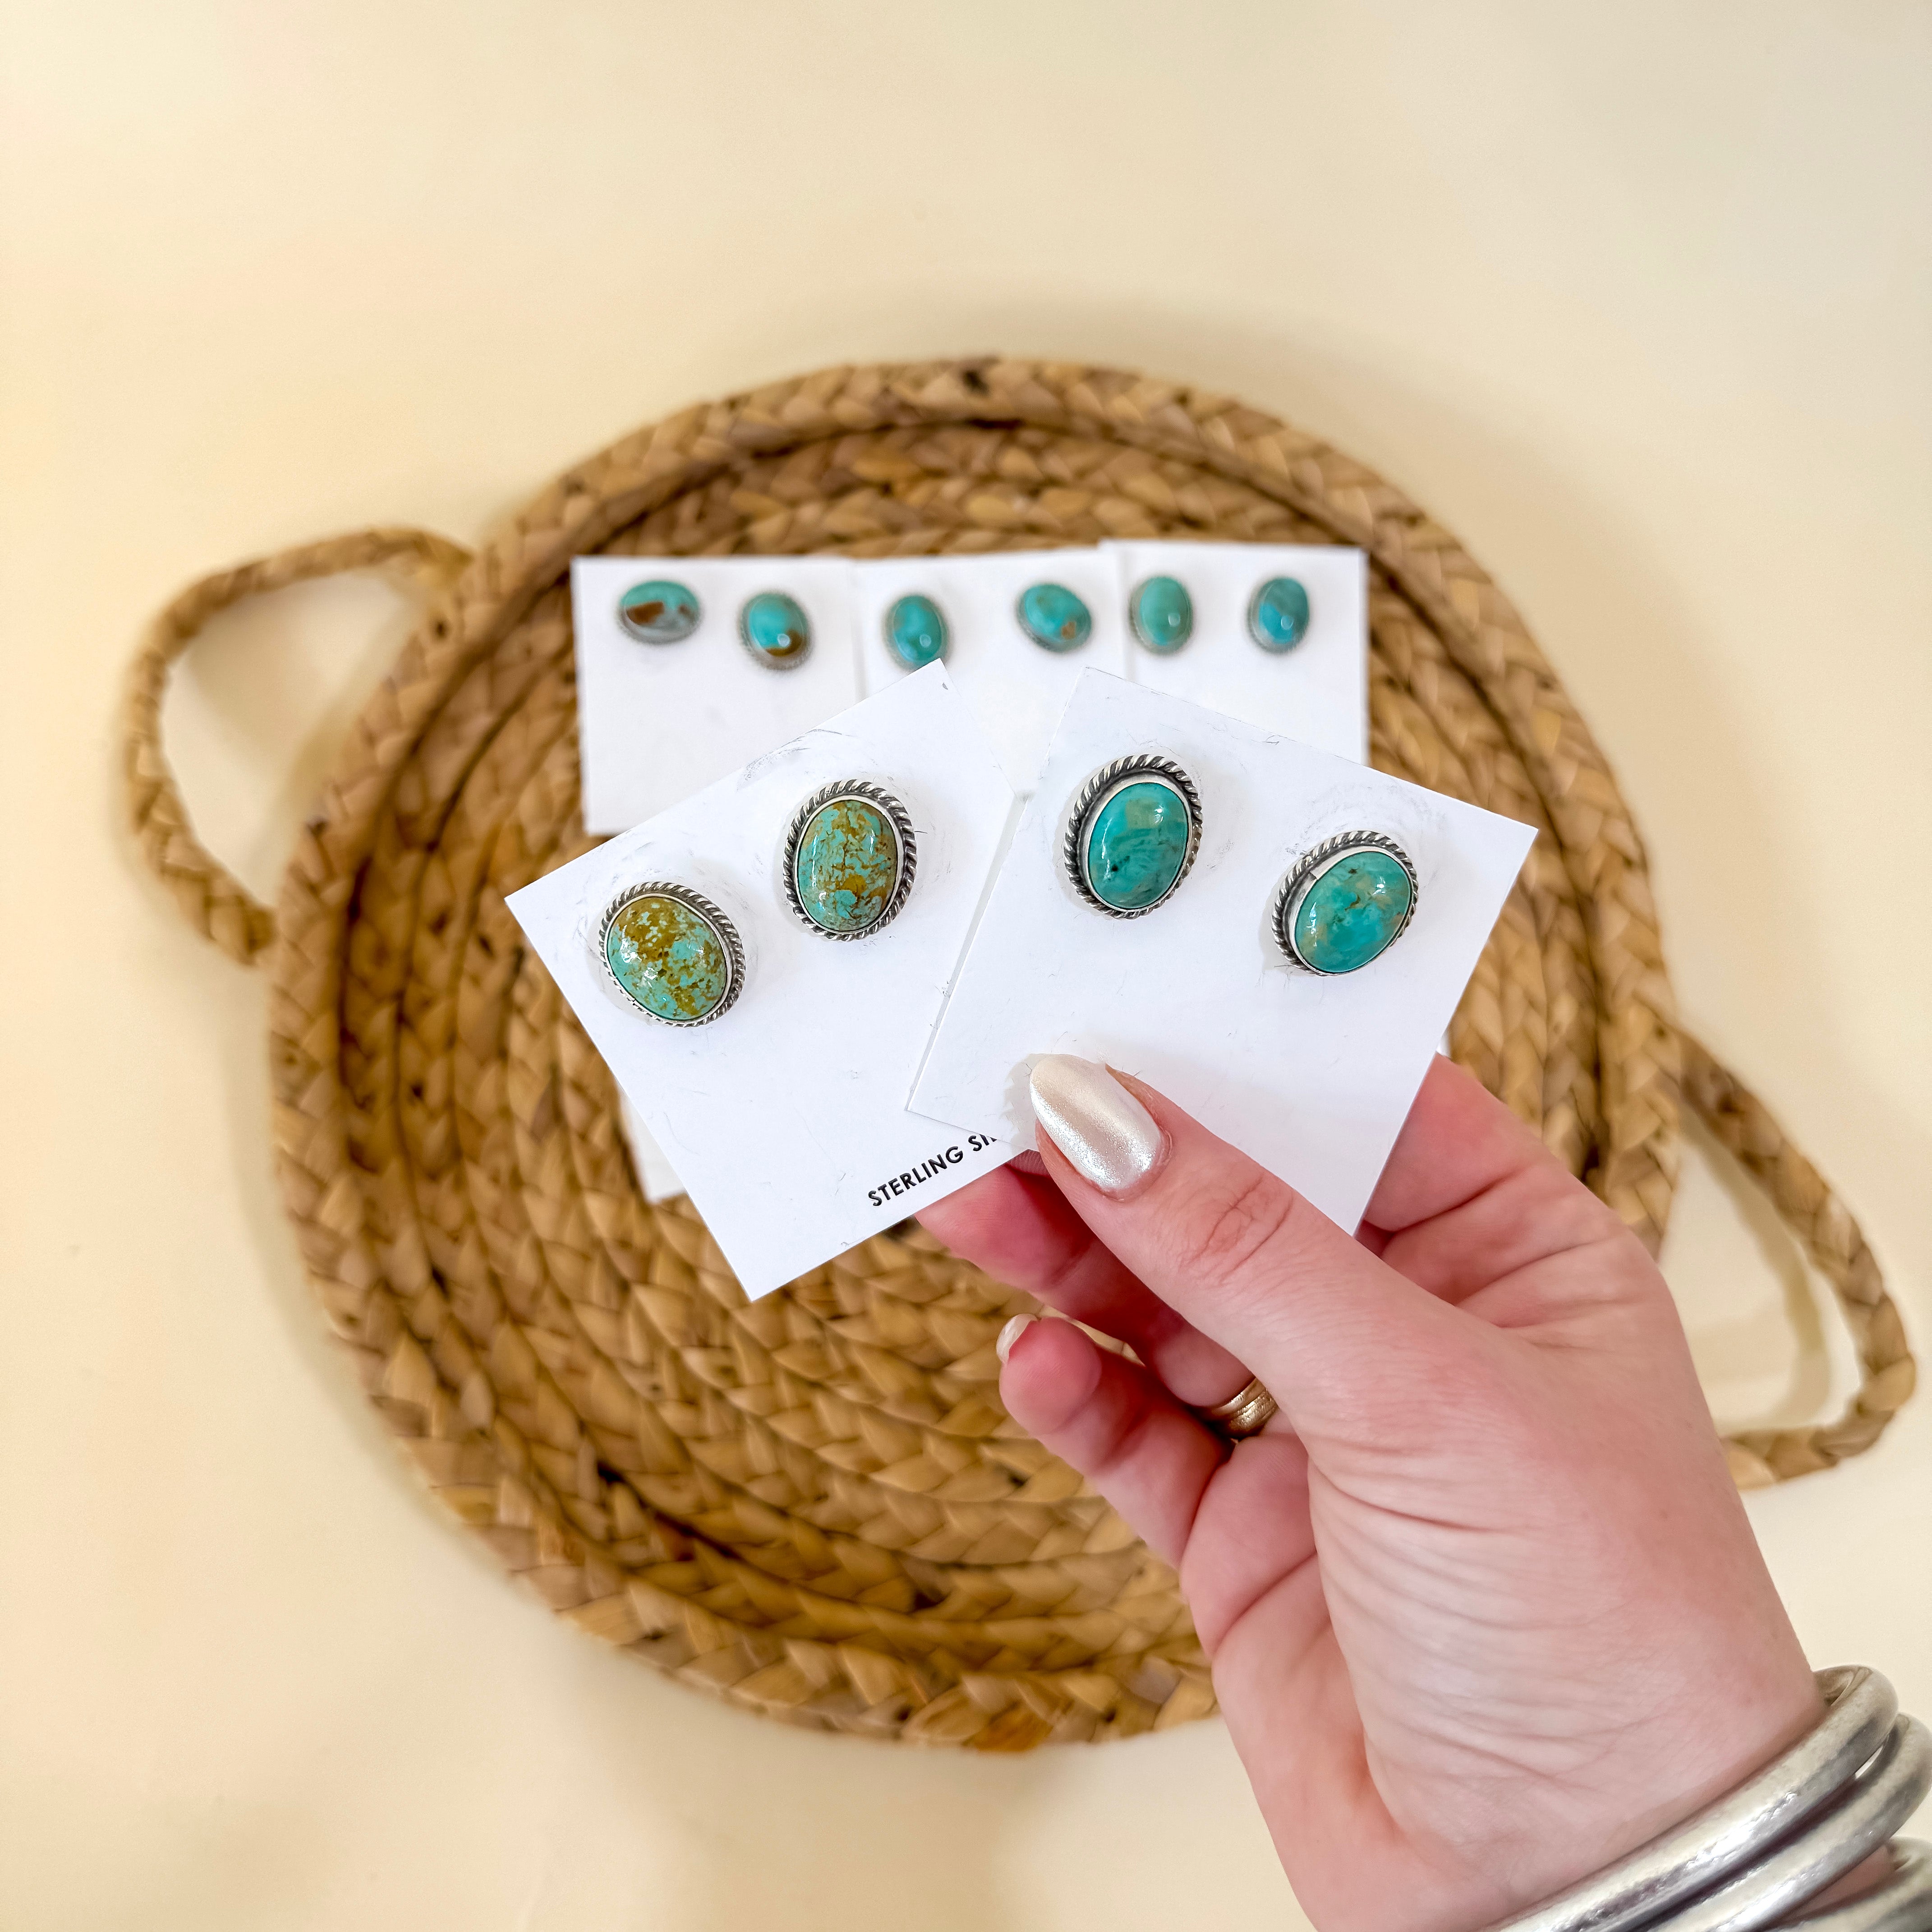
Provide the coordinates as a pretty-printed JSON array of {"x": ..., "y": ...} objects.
[
  {"x": 726, "y": 935},
  {"x": 945, "y": 631},
  {"x": 1108, "y": 780},
  {"x": 1033, "y": 637},
  {"x": 1139, "y": 630},
  {"x": 902, "y": 823},
  {"x": 636, "y": 636},
  {"x": 765, "y": 658},
  {"x": 1260, "y": 643},
  {"x": 1302, "y": 880}
]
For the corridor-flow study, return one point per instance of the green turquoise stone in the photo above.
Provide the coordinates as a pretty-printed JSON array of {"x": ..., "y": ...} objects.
[
  {"x": 1136, "y": 844},
  {"x": 775, "y": 629},
  {"x": 659, "y": 612},
  {"x": 1278, "y": 614},
  {"x": 1055, "y": 618},
  {"x": 1162, "y": 614},
  {"x": 915, "y": 630},
  {"x": 1352, "y": 912},
  {"x": 668, "y": 958},
  {"x": 847, "y": 865}
]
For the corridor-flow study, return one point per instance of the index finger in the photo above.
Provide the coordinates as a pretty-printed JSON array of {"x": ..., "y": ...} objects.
[{"x": 1019, "y": 1228}]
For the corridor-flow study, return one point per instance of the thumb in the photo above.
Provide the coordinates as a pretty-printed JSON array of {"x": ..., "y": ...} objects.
[{"x": 1347, "y": 1346}]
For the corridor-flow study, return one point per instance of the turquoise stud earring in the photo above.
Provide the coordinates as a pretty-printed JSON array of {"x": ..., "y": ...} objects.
[
  {"x": 774, "y": 628},
  {"x": 661, "y": 611},
  {"x": 1132, "y": 835},
  {"x": 1278, "y": 613},
  {"x": 1053, "y": 617},
  {"x": 671, "y": 954},
  {"x": 1345, "y": 904},
  {"x": 849, "y": 860},
  {"x": 1161, "y": 614},
  {"x": 916, "y": 630}
]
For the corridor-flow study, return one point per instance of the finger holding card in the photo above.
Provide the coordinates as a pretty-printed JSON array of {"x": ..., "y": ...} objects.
[{"x": 1274, "y": 937}]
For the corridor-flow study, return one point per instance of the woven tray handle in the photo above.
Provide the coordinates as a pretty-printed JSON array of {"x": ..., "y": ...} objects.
[
  {"x": 1836, "y": 1246},
  {"x": 217, "y": 905},
  {"x": 212, "y": 899}
]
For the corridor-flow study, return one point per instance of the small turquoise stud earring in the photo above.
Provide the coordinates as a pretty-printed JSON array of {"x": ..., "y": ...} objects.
[
  {"x": 671, "y": 954},
  {"x": 1132, "y": 835},
  {"x": 1053, "y": 617},
  {"x": 661, "y": 611},
  {"x": 849, "y": 860},
  {"x": 774, "y": 628},
  {"x": 1161, "y": 614},
  {"x": 916, "y": 630},
  {"x": 1278, "y": 614},
  {"x": 1345, "y": 904}
]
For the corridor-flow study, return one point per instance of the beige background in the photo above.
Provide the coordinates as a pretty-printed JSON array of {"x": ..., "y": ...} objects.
[{"x": 1635, "y": 300}]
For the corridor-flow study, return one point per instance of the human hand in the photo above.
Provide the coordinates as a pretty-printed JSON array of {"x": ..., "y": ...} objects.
[{"x": 1484, "y": 1607}]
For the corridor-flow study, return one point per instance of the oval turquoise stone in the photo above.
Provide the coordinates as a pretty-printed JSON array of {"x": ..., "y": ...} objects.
[
  {"x": 1137, "y": 843},
  {"x": 1278, "y": 614},
  {"x": 668, "y": 958},
  {"x": 1162, "y": 614},
  {"x": 847, "y": 866},
  {"x": 1055, "y": 618},
  {"x": 659, "y": 612},
  {"x": 915, "y": 630},
  {"x": 774, "y": 627},
  {"x": 1352, "y": 912}
]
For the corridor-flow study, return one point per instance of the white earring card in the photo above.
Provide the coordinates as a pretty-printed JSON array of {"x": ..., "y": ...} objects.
[
  {"x": 1316, "y": 691},
  {"x": 1311, "y": 1075},
  {"x": 1015, "y": 687},
  {"x": 654, "y": 1172},
  {"x": 784, "y": 1117},
  {"x": 657, "y": 720}
]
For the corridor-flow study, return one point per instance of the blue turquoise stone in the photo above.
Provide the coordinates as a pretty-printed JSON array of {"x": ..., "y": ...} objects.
[
  {"x": 668, "y": 958},
  {"x": 915, "y": 630},
  {"x": 775, "y": 629},
  {"x": 1055, "y": 618},
  {"x": 1136, "y": 844},
  {"x": 1162, "y": 614},
  {"x": 1352, "y": 912},
  {"x": 1278, "y": 614},
  {"x": 659, "y": 612},
  {"x": 847, "y": 865}
]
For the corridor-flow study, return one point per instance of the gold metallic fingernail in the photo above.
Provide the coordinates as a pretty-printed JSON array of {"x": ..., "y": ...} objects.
[
  {"x": 1110, "y": 1138},
  {"x": 1011, "y": 1333}
]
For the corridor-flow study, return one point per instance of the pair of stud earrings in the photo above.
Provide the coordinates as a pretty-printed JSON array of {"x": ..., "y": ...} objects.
[
  {"x": 849, "y": 859},
  {"x": 1052, "y": 616},
  {"x": 1160, "y": 614},
  {"x": 771, "y": 625},
  {"x": 1135, "y": 829}
]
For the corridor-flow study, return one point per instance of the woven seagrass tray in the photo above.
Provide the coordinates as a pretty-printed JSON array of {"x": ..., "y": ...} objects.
[{"x": 814, "y": 1505}]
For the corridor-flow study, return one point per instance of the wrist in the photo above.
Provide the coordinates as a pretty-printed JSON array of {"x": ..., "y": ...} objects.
[{"x": 1819, "y": 1813}]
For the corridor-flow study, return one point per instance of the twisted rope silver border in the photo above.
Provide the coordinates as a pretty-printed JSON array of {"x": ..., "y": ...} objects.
[
  {"x": 872, "y": 794},
  {"x": 765, "y": 658},
  {"x": 1088, "y": 800},
  {"x": 1294, "y": 888},
  {"x": 727, "y": 937}
]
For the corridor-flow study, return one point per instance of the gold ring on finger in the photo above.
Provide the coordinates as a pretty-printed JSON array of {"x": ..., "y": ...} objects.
[{"x": 1244, "y": 1413}]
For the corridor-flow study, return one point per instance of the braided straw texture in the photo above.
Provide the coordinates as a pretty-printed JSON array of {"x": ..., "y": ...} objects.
[{"x": 814, "y": 1505}]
